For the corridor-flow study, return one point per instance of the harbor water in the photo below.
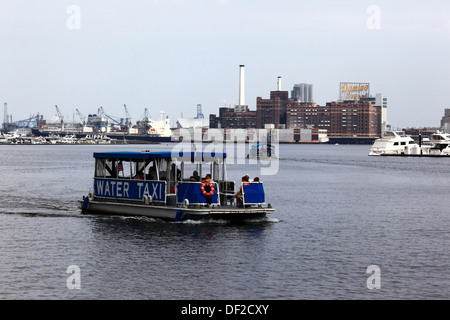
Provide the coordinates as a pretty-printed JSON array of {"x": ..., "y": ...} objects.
[{"x": 338, "y": 212}]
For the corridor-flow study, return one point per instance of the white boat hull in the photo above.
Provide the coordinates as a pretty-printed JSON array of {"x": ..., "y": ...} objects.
[{"x": 173, "y": 213}]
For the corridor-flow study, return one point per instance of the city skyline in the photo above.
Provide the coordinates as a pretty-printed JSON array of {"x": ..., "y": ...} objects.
[{"x": 172, "y": 55}]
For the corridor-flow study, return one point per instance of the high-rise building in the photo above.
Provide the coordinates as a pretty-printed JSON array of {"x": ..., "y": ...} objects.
[
  {"x": 445, "y": 121},
  {"x": 380, "y": 101},
  {"x": 302, "y": 92}
]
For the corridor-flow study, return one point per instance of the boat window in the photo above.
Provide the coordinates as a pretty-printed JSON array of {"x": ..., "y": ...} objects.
[
  {"x": 123, "y": 169},
  {"x": 105, "y": 168},
  {"x": 412, "y": 142},
  {"x": 100, "y": 170},
  {"x": 151, "y": 171},
  {"x": 163, "y": 169},
  {"x": 403, "y": 143},
  {"x": 137, "y": 170},
  {"x": 395, "y": 143}
]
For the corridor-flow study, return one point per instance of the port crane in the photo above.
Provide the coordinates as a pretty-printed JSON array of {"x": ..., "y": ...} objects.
[
  {"x": 145, "y": 122},
  {"x": 128, "y": 121},
  {"x": 27, "y": 123},
  {"x": 123, "y": 123},
  {"x": 82, "y": 117},
  {"x": 108, "y": 116},
  {"x": 60, "y": 117}
]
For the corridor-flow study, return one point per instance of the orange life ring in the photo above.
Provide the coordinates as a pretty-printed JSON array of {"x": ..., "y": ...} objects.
[{"x": 211, "y": 188}]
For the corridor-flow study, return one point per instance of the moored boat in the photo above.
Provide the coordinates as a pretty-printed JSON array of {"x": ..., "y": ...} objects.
[
  {"x": 158, "y": 185},
  {"x": 440, "y": 144},
  {"x": 396, "y": 143}
]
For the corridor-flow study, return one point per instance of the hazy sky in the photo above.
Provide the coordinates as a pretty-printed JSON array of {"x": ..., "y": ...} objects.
[{"x": 170, "y": 55}]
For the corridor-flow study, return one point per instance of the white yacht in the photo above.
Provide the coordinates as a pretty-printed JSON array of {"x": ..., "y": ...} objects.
[
  {"x": 3, "y": 139},
  {"x": 441, "y": 140},
  {"x": 395, "y": 143},
  {"x": 440, "y": 144}
]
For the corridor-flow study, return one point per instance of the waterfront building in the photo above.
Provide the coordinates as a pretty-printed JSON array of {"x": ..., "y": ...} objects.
[
  {"x": 355, "y": 115},
  {"x": 340, "y": 119},
  {"x": 233, "y": 118},
  {"x": 380, "y": 101},
  {"x": 273, "y": 110},
  {"x": 306, "y": 135},
  {"x": 445, "y": 121}
]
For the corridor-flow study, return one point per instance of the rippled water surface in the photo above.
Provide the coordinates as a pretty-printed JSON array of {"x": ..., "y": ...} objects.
[{"x": 338, "y": 211}]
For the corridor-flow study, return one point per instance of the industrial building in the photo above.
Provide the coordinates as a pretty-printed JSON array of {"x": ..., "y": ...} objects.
[
  {"x": 356, "y": 115},
  {"x": 238, "y": 117},
  {"x": 232, "y": 118},
  {"x": 341, "y": 119},
  {"x": 273, "y": 110}
]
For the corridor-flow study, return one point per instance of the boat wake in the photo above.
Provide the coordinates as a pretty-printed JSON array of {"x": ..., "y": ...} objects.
[{"x": 227, "y": 222}]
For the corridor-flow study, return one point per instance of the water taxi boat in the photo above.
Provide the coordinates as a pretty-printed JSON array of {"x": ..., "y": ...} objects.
[{"x": 161, "y": 185}]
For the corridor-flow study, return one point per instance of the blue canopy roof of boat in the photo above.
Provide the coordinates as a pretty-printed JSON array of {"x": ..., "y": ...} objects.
[
  {"x": 127, "y": 155},
  {"x": 258, "y": 144}
]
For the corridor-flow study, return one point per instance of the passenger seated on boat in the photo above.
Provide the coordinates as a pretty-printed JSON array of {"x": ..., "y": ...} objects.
[
  {"x": 117, "y": 170},
  {"x": 139, "y": 176},
  {"x": 256, "y": 179},
  {"x": 152, "y": 174},
  {"x": 208, "y": 178},
  {"x": 173, "y": 170},
  {"x": 196, "y": 176},
  {"x": 245, "y": 181}
]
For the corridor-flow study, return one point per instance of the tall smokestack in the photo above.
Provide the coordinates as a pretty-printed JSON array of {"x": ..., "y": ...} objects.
[
  {"x": 279, "y": 83},
  {"x": 241, "y": 85}
]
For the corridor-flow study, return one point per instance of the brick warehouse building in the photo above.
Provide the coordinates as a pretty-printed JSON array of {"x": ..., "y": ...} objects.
[
  {"x": 273, "y": 110},
  {"x": 340, "y": 119},
  {"x": 233, "y": 118},
  {"x": 359, "y": 118}
]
